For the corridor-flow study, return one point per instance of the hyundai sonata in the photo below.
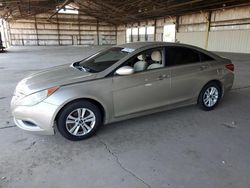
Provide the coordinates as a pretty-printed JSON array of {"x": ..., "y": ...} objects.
[{"x": 121, "y": 82}]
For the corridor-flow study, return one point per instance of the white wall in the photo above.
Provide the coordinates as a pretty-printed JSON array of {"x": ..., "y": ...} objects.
[
  {"x": 229, "y": 29},
  {"x": 230, "y": 41},
  {"x": 121, "y": 35},
  {"x": 193, "y": 38},
  {"x": 62, "y": 29}
]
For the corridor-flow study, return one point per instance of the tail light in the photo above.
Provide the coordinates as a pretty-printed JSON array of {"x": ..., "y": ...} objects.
[{"x": 230, "y": 66}]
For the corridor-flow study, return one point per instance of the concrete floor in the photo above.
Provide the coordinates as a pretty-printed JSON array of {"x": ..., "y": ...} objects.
[{"x": 180, "y": 148}]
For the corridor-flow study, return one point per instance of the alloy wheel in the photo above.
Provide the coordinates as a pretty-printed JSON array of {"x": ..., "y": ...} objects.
[
  {"x": 211, "y": 96},
  {"x": 80, "y": 122}
]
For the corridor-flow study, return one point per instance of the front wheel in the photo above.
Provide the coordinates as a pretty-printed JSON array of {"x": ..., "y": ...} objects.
[
  {"x": 210, "y": 96},
  {"x": 79, "y": 120}
]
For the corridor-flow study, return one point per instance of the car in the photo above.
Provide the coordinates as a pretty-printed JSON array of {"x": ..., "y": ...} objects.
[{"x": 118, "y": 83}]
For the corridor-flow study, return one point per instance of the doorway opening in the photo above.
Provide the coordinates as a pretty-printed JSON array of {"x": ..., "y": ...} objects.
[{"x": 169, "y": 33}]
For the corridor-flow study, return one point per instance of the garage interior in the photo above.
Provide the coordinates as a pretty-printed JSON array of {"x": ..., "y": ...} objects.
[{"x": 185, "y": 147}]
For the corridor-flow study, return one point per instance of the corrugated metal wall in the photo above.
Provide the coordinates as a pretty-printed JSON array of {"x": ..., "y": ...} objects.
[
  {"x": 62, "y": 29},
  {"x": 193, "y": 38},
  {"x": 228, "y": 31},
  {"x": 224, "y": 41},
  {"x": 121, "y": 34},
  {"x": 229, "y": 41}
]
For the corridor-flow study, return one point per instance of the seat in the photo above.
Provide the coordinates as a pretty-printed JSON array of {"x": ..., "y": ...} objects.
[
  {"x": 140, "y": 66},
  {"x": 154, "y": 66},
  {"x": 157, "y": 58}
]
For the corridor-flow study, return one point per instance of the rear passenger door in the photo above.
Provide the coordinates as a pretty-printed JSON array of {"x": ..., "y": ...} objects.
[{"x": 189, "y": 69}]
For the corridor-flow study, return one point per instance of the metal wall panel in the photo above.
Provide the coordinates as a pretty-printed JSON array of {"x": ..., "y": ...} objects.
[
  {"x": 63, "y": 29},
  {"x": 193, "y": 38},
  {"x": 230, "y": 41}
]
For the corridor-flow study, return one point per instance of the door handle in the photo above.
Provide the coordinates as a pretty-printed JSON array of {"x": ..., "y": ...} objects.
[
  {"x": 149, "y": 84},
  {"x": 162, "y": 77},
  {"x": 203, "y": 67}
]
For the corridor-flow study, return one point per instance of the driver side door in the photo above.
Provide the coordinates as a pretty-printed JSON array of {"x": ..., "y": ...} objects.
[{"x": 141, "y": 91}]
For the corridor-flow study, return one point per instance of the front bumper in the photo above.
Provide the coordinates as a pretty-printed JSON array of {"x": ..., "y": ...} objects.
[{"x": 39, "y": 118}]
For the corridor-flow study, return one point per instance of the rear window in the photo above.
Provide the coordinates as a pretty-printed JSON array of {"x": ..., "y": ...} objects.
[
  {"x": 181, "y": 56},
  {"x": 205, "y": 57}
]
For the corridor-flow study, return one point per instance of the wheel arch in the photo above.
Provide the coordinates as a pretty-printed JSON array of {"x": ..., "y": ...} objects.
[
  {"x": 218, "y": 82},
  {"x": 95, "y": 102}
]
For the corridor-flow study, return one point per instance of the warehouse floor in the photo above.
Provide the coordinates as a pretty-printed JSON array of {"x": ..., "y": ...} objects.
[{"x": 180, "y": 148}]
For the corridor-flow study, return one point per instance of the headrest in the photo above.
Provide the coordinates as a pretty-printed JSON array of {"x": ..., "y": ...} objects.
[
  {"x": 141, "y": 57},
  {"x": 156, "y": 56}
]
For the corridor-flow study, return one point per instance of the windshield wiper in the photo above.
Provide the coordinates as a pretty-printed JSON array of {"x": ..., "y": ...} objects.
[{"x": 80, "y": 67}]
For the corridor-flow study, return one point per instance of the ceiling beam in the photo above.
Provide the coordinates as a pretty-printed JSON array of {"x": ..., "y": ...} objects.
[
  {"x": 66, "y": 2},
  {"x": 113, "y": 11}
]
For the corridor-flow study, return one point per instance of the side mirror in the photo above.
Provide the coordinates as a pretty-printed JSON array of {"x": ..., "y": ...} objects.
[{"x": 125, "y": 70}]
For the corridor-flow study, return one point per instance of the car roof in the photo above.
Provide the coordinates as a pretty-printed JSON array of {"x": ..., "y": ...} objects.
[
  {"x": 137, "y": 45},
  {"x": 144, "y": 45}
]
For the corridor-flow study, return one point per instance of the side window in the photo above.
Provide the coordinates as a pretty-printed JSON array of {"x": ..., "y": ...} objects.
[
  {"x": 181, "y": 56},
  {"x": 147, "y": 60},
  {"x": 205, "y": 57}
]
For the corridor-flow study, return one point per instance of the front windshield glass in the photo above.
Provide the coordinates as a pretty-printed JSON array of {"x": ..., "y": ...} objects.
[{"x": 105, "y": 59}]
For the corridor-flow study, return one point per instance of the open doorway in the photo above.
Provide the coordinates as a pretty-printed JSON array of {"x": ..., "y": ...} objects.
[
  {"x": 4, "y": 42},
  {"x": 1, "y": 42},
  {"x": 169, "y": 33}
]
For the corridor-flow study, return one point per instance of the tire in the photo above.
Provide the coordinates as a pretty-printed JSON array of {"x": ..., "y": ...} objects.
[
  {"x": 79, "y": 120},
  {"x": 208, "y": 101}
]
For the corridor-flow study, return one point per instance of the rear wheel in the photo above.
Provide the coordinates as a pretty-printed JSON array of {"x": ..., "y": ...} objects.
[
  {"x": 210, "y": 96},
  {"x": 79, "y": 120}
]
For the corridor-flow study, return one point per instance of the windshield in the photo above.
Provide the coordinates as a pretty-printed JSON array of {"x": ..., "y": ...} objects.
[{"x": 104, "y": 59}]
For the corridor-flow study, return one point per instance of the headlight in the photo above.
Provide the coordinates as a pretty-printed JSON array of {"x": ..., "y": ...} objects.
[{"x": 37, "y": 97}]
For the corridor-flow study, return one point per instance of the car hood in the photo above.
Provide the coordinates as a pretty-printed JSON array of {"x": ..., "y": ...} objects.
[{"x": 51, "y": 77}]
